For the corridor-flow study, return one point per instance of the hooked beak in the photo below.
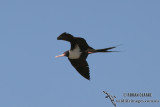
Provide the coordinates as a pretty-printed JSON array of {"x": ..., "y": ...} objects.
[{"x": 60, "y": 55}]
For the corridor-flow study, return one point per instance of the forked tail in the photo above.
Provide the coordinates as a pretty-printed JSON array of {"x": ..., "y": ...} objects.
[{"x": 106, "y": 49}]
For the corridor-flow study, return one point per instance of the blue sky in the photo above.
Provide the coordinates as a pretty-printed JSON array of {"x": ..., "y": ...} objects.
[{"x": 30, "y": 76}]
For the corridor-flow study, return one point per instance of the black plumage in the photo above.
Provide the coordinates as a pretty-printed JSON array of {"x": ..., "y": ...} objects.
[{"x": 78, "y": 53}]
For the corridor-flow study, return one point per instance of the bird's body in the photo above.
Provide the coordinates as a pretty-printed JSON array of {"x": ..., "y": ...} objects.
[
  {"x": 78, "y": 53},
  {"x": 75, "y": 53}
]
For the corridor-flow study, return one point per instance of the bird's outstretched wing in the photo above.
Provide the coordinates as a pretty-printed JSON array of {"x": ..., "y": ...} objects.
[
  {"x": 81, "y": 66},
  {"x": 81, "y": 42}
]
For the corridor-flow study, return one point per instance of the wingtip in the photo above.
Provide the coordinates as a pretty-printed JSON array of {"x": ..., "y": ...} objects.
[{"x": 88, "y": 78}]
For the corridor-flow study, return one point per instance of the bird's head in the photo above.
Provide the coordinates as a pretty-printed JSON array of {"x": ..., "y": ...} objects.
[
  {"x": 64, "y": 54},
  {"x": 65, "y": 36}
]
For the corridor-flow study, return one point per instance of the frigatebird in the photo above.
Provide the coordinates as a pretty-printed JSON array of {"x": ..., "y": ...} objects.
[{"x": 78, "y": 53}]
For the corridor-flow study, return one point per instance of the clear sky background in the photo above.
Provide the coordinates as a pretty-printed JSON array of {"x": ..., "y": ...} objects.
[{"x": 30, "y": 76}]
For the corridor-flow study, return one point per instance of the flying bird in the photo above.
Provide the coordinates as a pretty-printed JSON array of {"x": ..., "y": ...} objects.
[{"x": 78, "y": 53}]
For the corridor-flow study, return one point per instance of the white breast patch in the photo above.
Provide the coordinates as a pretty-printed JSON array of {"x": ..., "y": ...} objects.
[{"x": 75, "y": 53}]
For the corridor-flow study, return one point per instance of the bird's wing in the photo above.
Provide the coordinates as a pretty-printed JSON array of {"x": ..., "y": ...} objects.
[
  {"x": 82, "y": 43},
  {"x": 81, "y": 66},
  {"x": 67, "y": 37}
]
